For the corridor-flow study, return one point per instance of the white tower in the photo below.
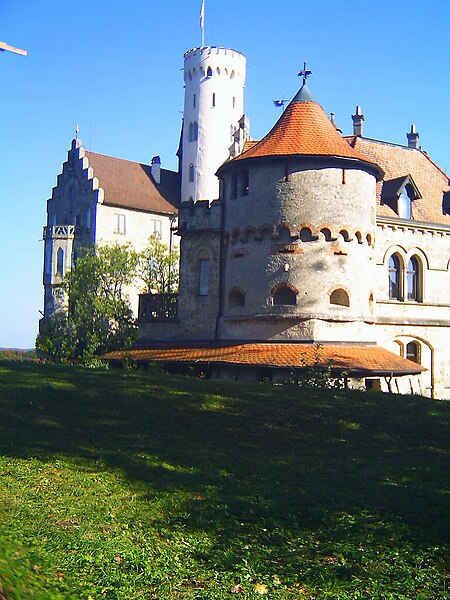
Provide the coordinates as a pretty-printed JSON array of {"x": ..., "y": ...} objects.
[{"x": 213, "y": 110}]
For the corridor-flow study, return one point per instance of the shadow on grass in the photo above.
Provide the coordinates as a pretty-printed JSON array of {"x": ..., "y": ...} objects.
[{"x": 278, "y": 457}]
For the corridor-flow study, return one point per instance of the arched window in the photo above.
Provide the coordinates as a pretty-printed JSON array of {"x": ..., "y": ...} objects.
[
  {"x": 236, "y": 298},
  {"x": 326, "y": 234},
  {"x": 283, "y": 295},
  {"x": 203, "y": 274},
  {"x": 413, "y": 352},
  {"x": 191, "y": 173},
  {"x": 209, "y": 72},
  {"x": 339, "y": 297},
  {"x": 413, "y": 280},
  {"x": 394, "y": 277},
  {"x": 306, "y": 234},
  {"x": 60, "y": 262}
]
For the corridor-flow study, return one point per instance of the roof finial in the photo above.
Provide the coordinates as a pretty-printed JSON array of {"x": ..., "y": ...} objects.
[
  {"x": 77, "y": 131},
  {"x": 304, "y": 73}
]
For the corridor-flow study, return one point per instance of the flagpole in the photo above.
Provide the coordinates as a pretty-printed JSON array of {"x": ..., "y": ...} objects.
[{"x": 202, "y": 21}]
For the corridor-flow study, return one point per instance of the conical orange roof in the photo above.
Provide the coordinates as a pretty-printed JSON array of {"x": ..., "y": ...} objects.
[{"x": 304, "y": 129}]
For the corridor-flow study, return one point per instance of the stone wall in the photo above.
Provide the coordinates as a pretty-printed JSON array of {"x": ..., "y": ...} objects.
[{"x": 310, "y": 229}]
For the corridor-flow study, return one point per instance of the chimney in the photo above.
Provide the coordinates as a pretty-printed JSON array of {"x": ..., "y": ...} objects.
[
  {"x": 155, "y": 169},
  {"x": 336, "y": 126},
  {"x": 413, "y": 137},
  {"x": 358, "y": 119}
]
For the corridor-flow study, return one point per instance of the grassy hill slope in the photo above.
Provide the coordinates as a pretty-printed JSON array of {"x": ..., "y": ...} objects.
[{"x": 126, "y": 484}]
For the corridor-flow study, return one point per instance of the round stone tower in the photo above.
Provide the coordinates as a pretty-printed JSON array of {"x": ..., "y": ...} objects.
[
  {"x": 299, "y": 224},
  {"x": 213, "y": 106}
]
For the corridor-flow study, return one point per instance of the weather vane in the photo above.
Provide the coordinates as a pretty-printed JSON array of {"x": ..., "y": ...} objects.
[
  {"x": 304, "y": 73},
  {"x": 77, "y": 131}
]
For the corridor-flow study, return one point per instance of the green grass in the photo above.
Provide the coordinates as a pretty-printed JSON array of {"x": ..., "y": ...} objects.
[{"x": 126, "y": 484}]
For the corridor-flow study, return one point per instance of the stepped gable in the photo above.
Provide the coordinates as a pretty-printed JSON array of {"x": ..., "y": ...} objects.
[
  {"x": 129, "y": 184},
  {"x": 304, "y": 129},
  {"x": 399, "y": 161}
]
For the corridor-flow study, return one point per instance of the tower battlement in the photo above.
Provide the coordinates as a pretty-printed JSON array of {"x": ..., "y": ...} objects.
[
  {"x": 199, "y": 216},
  {"x": 213, "y": 107}
]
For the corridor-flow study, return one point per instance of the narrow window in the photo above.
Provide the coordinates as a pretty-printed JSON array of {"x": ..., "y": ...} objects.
[
  {"x": 214, "y": 99},
  {"x": 48, "y": 258},
  {"x": 394, "y": 277},
  {"x": 156, "y": 225},
  {"x": 119, "y": 224},
  {"x": 203, "y": 276},
  {"x": 234, "y": 101},
  {"x": 60, "y": 262},
  {"x": 413, "y": 352},
  {"x": 191, "y": 173},
  {"x": 194, "y": 100},
  {"x": 284, "y": 296},
  {"x": 245, "y": 182},
  {"x": 209, "y": 72},
  {"x": 234, "y": 185},
  {"x": 88, "y": 217},
  {"x": 412, "y": 280},
  {"x": 193, "y": 132}
]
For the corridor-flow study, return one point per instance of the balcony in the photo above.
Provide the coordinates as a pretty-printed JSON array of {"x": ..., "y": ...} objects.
[
  {"x": 158, "y": 308},
  {"x": 60, "y": 231}
]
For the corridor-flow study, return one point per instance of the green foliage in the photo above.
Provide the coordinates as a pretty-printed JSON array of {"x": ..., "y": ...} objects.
[
  {"x": 158, "y": 267},
  {"x": 318, "y": 375},
  {"x": 130, "y": 484},
  {"x": 10, "y": 354},
  {"x": 99, "y": 316}
]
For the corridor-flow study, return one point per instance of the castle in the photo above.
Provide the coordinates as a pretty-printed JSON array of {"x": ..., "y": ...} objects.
[{"x": 305, "y": 247}]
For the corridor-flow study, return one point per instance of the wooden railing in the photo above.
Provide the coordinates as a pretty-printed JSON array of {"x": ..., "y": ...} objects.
[{"x": 158, "y": 307}]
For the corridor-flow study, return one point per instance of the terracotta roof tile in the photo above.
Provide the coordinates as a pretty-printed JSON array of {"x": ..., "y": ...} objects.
[
  {"x": 399, "y": 161},
  {"x": 303, "y": 129},
  {"x": 130, "y": 185},
  {"x": 354, "y": 359}
]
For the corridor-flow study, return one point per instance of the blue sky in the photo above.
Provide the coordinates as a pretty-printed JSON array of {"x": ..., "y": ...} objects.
[{"x": 115, "y": 69}]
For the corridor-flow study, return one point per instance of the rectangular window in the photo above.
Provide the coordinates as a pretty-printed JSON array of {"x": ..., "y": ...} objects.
[
  {"x": 245, "y": 182},
  {"x": 234, "y": 185},
  {"x": 194, "y": 101},
  {"x": 157, "y": 227},
  {"x": 119, "y": 224},
  {"x": 203, "y": 276},
  {"x": 88, "y": 218}
]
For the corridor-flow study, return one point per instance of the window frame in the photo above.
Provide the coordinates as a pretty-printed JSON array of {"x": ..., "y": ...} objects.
[{"x": 395, "y": 293}]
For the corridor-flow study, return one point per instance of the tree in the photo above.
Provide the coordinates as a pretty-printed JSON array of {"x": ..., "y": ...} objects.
[
  {"x": 99, "y": 316},
  {"x": 158, "y": 267}
]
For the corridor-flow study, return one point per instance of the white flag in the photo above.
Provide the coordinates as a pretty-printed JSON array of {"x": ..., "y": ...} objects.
[{"x": 202, "y": 14}]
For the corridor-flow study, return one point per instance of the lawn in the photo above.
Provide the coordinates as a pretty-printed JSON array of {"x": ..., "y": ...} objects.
[{"x": 127, "y": 484}]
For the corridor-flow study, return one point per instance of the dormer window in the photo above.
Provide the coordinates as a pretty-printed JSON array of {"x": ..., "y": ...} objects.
[
  {"x": 404, "y": 208},
  {"x": 399, "y": 194},
  {"x": 446, "y": 203}
]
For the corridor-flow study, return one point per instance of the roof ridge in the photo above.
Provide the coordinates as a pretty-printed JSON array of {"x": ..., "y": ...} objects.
[{"x": 135, "y": 162}]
